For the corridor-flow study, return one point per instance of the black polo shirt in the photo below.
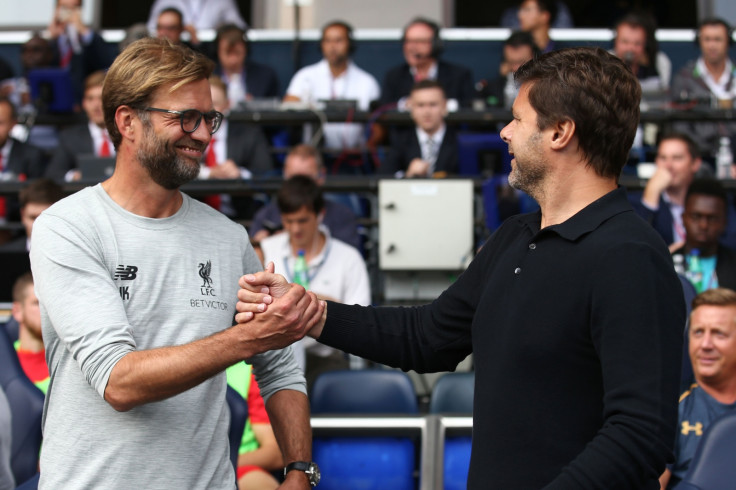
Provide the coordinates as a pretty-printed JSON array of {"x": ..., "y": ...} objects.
[{"x": 576, "y": 332}]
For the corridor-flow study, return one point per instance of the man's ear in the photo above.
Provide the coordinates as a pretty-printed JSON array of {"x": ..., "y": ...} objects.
[
  {"x": 125, "y": 120},
  {"x": 562, "y": 134}
]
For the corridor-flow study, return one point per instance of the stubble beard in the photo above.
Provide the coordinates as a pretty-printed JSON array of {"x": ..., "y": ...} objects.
[
  {"x": 529, "y": 174},
  {"x": 165, "y": 166}
]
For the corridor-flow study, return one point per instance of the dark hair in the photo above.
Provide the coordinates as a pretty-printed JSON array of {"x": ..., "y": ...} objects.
[
  {"x": 40, "y": 191},
  {"x": 547, "y": 6},
  {"x": 348, "y": 32},
  {"x": 175, "y": 11},
  {"x": 714, "y": 21},
  {"x": 707, "y": 187},
  {"x": 437, "y": 44},
  {"x": 692, "y": 146},
  {"x": 643, "y": 21},
  {"x": 232, "y": 34},
  {"x": 521, "y": 38},
  {"x": 596, "y": 91},
  {"x": 13, "y": 110},
  {"x": 425, "y": 84},
  {"x": 300, "y": 191}
]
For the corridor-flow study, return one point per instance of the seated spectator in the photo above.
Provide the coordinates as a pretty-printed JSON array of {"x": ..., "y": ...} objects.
[
  {"x": 237, "y": 151},
  {"x": 422, "y": 47},
  {"x": 636, "y": 45},
  {"x": 170, "y": 25},
  {"x": 712, "y": 348},
  {"x": 259, "y": 453},
  {"x": 708, "y": 79},
  {"x": 335, "y": 270},
  {"x": 663, "y": 200},
  {"x": 18, "y": 160},
  {"x": 7, "y": 480},
  {"x": 77, "y": 48},
  {"x": 245, "y": 79},
  {"x": 36, "y": 197},
  {"x": 83, "y": 139},
  {"x": 29, "y": 345},
  {"x": 199, "y": 14},
  {"x": 335, "y": 77},
  {"x": 536, "y": 17},
  {"x": 502, "y": 90},
  {"x": 430, "y": 148},
  {"x": 338, "y": 218},
  {"x": 563, "y": 19},
  {"x": 704, "y": 219}
]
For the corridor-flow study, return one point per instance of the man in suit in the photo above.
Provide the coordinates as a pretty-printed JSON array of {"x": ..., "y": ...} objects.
[
  {"x": 536, "y": 17},
  {"x": 77, "y": 48},
  {"x": 502, "y": 90},
  {"x": 35, "y": 198},
  {"x": 245, "y": 79},
  {"x": 422, "y": 47},
  {"x": 82, "y": 139},
  {"x": 18, "y": 160},
  {"x": 237, "y": 151},
  {"x": 430, "y": 148},
  {"x": 170, "y": 25}
]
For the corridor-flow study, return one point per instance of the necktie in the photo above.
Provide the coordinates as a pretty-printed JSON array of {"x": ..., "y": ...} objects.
[
  {"x": 210, "y": 160},
  {"x": 105, "y": 146},
  {"x": 431, "y": 150}
]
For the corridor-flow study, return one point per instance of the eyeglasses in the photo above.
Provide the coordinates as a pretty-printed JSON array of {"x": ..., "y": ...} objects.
[{"x": 191, "y": 118}]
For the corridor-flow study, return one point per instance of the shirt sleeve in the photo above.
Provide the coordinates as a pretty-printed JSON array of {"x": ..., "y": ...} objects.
[{"x": 91, "y": 322}]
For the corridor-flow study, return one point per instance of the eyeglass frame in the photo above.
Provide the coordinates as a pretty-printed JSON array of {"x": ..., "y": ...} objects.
[{"x": 218, "y": 116}]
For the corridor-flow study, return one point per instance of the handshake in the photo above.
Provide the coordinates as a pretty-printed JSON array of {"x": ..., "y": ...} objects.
[{"x": 273, "y": 313}]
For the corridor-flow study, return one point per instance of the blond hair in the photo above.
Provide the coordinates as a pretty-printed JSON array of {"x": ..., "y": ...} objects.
[{"x": 144, "y": 67}]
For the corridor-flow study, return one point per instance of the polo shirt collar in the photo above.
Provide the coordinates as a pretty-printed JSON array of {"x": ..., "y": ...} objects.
[{"x": 586, "y": 220}]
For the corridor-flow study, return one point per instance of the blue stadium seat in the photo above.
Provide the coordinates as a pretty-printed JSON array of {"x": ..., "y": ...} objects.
[
  {"x": 712, "y": 466},
  {"x": 365, "y": 462},
  {"x": 471, "y": 147},
  {"x": 453, "y": 394},
  {"x": 26, "y": 408}
]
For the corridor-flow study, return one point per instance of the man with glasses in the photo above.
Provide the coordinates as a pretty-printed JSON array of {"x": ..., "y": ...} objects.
[
  {"x": 422, "y": 47},
  {"x": 137, "y": 284}
]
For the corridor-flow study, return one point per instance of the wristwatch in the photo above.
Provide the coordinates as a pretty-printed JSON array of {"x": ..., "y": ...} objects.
[{"x": 310, "y": 468}]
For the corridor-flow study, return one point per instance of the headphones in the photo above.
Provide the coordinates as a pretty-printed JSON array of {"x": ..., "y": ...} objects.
[
  {"x": 714, "y": 21},
  {"x": 348, "y": 29},
  {"x": 437, "y": 44}
]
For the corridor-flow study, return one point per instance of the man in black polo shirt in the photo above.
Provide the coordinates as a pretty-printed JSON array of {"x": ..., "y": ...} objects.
[{"x": 573, "y": 314}]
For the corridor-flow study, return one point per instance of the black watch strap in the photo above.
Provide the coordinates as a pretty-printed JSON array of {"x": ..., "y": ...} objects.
[{"x": 297, "y": 465}]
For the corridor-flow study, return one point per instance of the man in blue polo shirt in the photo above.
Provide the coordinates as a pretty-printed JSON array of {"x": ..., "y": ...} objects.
[{"x": 712, "y": 348}]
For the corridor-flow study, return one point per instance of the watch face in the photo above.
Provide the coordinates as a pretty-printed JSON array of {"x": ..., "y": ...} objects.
[{"x": 313, "y": 473}]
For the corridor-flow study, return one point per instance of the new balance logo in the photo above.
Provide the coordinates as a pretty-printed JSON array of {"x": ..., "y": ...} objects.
[{"x": 126, "y": 273}]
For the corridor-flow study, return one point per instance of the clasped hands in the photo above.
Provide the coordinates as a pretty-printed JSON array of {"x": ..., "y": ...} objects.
[{"x": 276, "y": 312}]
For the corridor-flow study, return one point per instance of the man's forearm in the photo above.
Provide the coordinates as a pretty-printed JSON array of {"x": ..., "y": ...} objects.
[
  {"x": 156, "y": 374},
  {"x": 289, "y": 414}
]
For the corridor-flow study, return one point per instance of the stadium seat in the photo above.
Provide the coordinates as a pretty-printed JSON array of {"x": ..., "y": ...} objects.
[
  {"x": 365, "y": 462},
  {"x": 26, "y": 408},
  {"x": 453, "y": 394}
]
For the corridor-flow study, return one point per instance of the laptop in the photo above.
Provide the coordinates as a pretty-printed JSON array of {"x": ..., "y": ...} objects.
[{"x": 94, "y": 168}]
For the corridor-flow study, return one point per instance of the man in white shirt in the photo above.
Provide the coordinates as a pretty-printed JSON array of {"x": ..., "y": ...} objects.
[
  {"x": 83, "y": 139},
  {"x": 709, "y": 80},
  {"x": 335, "y": 270},
  {"x": 336, "y": 77}
]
